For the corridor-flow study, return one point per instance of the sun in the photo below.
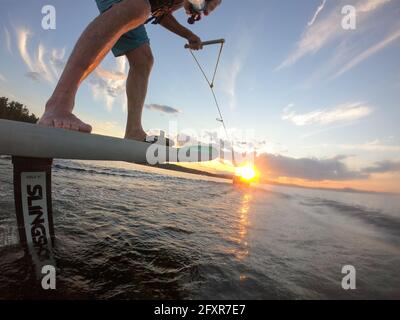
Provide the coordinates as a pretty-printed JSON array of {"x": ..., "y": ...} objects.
[{"x": 247, "y": 172}]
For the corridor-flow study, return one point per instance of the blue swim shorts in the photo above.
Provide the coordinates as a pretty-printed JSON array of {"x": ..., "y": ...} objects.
[{"x": 130, "y": 40}]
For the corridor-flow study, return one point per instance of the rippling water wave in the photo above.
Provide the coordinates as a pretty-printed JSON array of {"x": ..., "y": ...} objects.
[{"x": 130, "y": 232}]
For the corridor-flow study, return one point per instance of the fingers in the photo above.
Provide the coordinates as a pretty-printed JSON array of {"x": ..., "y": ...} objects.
[
  {"x": 196, "y": 46},
  {"x": 195, "y": 42}
]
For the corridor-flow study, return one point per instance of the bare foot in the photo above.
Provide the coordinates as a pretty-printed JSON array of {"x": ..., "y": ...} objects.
[
  {"x": 64, "y": 120},
  {"x": 139, "y": 135}
]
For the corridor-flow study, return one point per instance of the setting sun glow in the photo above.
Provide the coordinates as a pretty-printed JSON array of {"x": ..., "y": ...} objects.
[{"x": 247, "y": 173}]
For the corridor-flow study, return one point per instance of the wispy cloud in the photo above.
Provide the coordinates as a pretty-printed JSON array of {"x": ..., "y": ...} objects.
[
  {"x": 372, "y": 146},
  {"x": 314, "y": 38},
  {"x": 327, "y": 30},
  {"x": 342, "y": 113},
  {"x": 113, "y": 75},
  {"x": 23, "y": 35},
  {"x": 316, "y": 14},
  {"x": 40, "y": 63},
  {"x": 108, "y": 86},
  {"x": 104, "y": 92},
  {"x": 230, "y": 80},
  {"x": 42, "y": 66},
  {"x": 369, "y": 52},
  {"x": 325, "y": 129},
  {"x": 287, "y": 109},
  {"x": 162, "y": 109},
  {"x": 3, "y": 78},
  {"x": 231, "y": 69},
  {"x": 57, "y": 61},
  {"x": 370, "y": 5},
  {"x": 7, "y": 36}
]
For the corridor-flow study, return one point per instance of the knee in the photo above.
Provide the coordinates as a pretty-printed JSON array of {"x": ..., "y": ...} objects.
[
  {"x": 141, "y": 60},
  {"x": 148, "y": 59}
]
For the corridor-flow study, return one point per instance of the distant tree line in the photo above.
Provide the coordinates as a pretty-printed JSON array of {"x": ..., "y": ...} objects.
[{"x": 12, "y": 110}]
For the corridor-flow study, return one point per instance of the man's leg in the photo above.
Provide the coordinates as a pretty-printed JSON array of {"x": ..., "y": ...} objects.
[
  {"x": 141, "y": 62},
  {"x": 95, "y": 42}
]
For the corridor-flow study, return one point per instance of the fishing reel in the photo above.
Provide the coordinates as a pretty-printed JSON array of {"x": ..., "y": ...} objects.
[{"x": 196, "y": 16}]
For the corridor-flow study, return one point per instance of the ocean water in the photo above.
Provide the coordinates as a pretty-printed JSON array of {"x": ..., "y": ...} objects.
[{"x": 130, "y": 232}]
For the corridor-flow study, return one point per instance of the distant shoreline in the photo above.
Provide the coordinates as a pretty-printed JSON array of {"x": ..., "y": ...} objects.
[{"x": 175, "y": 167}]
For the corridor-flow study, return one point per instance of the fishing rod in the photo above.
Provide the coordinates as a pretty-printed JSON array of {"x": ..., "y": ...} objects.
[{"x": 211, "y": 85}]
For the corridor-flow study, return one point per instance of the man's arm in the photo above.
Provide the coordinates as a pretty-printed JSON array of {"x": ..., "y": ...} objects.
[{"x": 170, "y": 23}]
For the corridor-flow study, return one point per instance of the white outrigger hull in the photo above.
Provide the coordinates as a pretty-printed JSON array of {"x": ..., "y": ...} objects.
[{"x": 35, "y": 141}]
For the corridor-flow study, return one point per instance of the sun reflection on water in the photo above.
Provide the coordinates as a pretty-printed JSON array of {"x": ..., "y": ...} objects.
[{"x": 242, "y": 252}]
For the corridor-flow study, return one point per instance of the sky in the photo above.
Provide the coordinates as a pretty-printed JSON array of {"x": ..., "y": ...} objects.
[{"x": 317, "y": 101}]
